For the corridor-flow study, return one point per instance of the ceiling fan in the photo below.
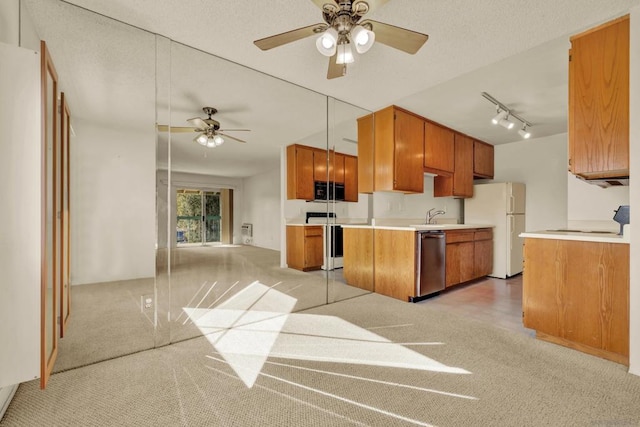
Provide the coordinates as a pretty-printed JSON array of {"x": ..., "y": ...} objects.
[
  {"x": 342, "y": 28},
  {"x": 211, "y": 135}
]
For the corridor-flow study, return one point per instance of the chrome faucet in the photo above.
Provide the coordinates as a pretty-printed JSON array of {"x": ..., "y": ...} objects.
[{"x": 431, "y": 214}]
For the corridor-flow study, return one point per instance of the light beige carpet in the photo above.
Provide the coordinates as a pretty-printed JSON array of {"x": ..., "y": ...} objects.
[
  {"x": 313, "y": 378},
  {"x": 107, "y": 320}
]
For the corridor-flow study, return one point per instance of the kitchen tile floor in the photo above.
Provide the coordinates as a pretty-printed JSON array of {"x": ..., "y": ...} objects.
[{"x": 490, "y": 300}]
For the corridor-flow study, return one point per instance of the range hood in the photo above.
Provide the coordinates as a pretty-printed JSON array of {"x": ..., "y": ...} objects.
[{"x": 607, "y": 182}]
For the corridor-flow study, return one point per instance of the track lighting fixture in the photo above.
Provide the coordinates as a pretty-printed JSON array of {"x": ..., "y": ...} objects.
[{"x": 503, "y": 114}]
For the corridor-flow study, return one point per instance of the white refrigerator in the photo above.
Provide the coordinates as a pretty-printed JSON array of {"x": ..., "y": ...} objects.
[{"x": 502, "y": 205}]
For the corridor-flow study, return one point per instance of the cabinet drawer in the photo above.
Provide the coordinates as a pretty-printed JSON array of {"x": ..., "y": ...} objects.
[
  {"x": 313, "y": 231},
  {"x": 459, "y": 236},
  {"x": 483, "y": 235}
]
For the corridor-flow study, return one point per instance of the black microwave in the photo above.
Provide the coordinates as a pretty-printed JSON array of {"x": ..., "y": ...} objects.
[{"x": 324, "y": 190}]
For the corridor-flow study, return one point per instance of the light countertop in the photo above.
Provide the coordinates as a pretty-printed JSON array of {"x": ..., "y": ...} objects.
[
  {"x": 419, "y": 227},
  {"x": 584, "y": 236}
]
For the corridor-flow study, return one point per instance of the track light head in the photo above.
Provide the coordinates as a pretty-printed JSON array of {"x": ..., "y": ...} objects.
[
  {"x": 524, "y": 133},
  {"x": 506, "y": 123},
  {"x": 501, "y": 115}
]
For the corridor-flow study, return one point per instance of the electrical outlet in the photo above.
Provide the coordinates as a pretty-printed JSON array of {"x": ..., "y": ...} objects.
[{"x": 146, "y": 302}]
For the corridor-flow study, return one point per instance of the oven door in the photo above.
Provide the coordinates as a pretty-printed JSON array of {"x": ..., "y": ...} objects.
[{"x": 333, "y": 250}]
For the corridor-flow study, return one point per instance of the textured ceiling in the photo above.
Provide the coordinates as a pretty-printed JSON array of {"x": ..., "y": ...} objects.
[{"x": 515, "y": 50}]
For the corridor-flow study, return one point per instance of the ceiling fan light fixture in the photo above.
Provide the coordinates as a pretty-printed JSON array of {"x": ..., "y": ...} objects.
[
  {"x": 327, "y": 42},
  {"x": 345, "y": 54},
  {"x": 201, "y": 139},
  {"x": 218, "y": 140},
  {"x": 362, "y": 38}
]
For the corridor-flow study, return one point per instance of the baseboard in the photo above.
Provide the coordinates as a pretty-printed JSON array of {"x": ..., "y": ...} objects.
[{"x": 6, "y": 394}]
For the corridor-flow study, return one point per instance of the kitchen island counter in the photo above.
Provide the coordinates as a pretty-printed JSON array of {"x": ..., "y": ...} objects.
[{"x": 580, "y": 235}]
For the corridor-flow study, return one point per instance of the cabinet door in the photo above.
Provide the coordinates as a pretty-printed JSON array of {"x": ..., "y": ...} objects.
[
  {"x": 338, "y": 168},
  {"x": 461, "y": 183},
  {"x": 482, "y": 160},
  {"x": 350, "y": 179},
  {"x": 299, "y": 172},
  {"x": 483, "y": 258},
  {"x": 358, "y": 257},
  {"x": 438, "y": 149},
  {"x": 313, "y": 248},
  {"x": 599, "y": 101},
  {"x": 408, "y": 153},
  {"x": 321, "y": 165},
  {"x": 463, "y": 175},
  {"x": 459, "y": 263},
  {"x": 365, "y": 154}
]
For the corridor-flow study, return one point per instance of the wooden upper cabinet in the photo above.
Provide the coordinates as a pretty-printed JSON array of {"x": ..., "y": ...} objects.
[
  {"x": 320, "y": 165},
  {"x": 461, "y": 183},
  {"x": 350, "y": 178},
  {"x": 300, "y": 171},
  {"x": 337, "y": 175},
  {"x": 438, "y": 149},
  {"x": 398, "y": 151},
  {"x": 365, "y": 154},
  {"x": 599, "y": 101},
  {"x": 482, "y": 160}
]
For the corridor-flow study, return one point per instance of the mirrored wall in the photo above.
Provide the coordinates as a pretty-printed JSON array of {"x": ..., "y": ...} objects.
[{"x": 171, "y": 238}]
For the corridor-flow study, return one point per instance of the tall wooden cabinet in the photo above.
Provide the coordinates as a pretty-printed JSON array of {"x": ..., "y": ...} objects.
[{"x": 599, "y": 101}]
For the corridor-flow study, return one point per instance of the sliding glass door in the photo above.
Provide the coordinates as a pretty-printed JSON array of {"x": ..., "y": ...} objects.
[{"x": 198, "y": 216}]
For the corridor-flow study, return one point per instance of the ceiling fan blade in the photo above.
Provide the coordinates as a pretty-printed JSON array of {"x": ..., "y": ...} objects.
[
  {"x": 290, "y": 36},
  {"x": 198, "y": 123},
  {"x": 396, "y": 37},
  {"x": 175, "y": 129},
  {"x": 231, "y": 137},
  {"x": 336, "y": 70},
  {"x": 234, "y": 130}
]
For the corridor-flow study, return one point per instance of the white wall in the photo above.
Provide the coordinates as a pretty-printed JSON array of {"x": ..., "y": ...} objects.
[
  {"x": 10, "y": 22},
  {"x": 20, "y": 234},
  {"x": 399, "y": 205},
  {"x": 112, "y": 203},
  {"x": 261, "y": 207},
  {"x": 634, "y": 138},
  {"x": 541, "y": 164},
  {"x": 588, "y": 202}
]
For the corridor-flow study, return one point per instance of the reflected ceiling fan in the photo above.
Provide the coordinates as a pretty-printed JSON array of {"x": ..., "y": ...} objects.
[
  {"x": 343, "y": 28},
  {"x": 211, "y": 135}
]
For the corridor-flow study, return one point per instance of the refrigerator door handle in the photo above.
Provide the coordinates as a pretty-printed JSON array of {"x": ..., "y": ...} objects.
[
  {"x": 512, "y": 227},
  {"x": 512, "y": 204}
]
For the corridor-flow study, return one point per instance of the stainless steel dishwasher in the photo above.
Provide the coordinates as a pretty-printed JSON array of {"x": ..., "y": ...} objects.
[{"x": 430, "y": 263}]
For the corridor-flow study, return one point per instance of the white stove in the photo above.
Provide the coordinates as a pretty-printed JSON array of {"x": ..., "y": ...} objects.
[{"x": 332, "y": 242}]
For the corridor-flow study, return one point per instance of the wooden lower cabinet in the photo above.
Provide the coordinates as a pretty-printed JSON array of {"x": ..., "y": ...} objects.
[
  {"x": 469, "y": 255},
  {"x": 576, "y": 294},
  {"x": 358, "y": 257},
  {"x": 395, "y": 263},
  {"x": 459, "y": 267},
  {"x": 304, "y": 247}
]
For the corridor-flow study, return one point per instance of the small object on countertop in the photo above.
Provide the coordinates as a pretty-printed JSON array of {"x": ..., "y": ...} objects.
[{"x": 622, "y": 216}]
